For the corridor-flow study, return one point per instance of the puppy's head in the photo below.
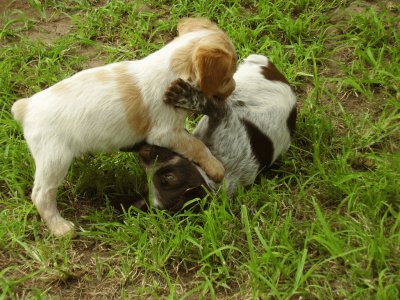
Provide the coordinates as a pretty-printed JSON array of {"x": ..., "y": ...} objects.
[
  {"x": 214, "y": 66},
  {"x": 175, "y": 180},
  {"x": 210, "y": 61},
  {"x": 186, "y": 25}
]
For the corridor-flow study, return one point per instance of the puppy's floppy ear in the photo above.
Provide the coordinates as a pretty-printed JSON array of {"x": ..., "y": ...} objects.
[
  {"x": 147, "y": 153},
  {"x": 212, "y": 65},
  {"x": 195, "y": 24}
]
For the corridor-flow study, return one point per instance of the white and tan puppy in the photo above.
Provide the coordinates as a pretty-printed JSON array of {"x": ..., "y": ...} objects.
[{"x": 119, "y": 105}]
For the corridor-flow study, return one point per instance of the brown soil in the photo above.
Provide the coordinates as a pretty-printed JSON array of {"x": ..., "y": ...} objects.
[
  {"x": 51, "y": 28},
  {"x": 48, "y": 32}
]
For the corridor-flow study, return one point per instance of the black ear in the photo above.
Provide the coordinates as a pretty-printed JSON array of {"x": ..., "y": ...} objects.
[
  {"x": 195, "y": 192},
  {"x": 147, "y": 153}
]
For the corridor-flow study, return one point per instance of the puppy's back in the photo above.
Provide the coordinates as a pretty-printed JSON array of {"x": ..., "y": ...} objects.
[
  {"x": 259, "y": 127},
  {"x": 268, "y": 103}
]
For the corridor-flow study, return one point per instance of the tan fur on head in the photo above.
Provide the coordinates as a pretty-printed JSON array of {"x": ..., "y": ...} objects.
[
  {"x": 210, "y": 66},
  {"x": 208, "y": 62},
  {"x": 195, "y": 24},
  {"x": 214, "y": 69}
]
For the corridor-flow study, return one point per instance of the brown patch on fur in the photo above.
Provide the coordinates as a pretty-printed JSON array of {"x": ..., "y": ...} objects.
[
  {"x": 136, "y": 112},
  {"x": 195, "y": 24},
  {"x": 270, "y": 72},
  {"x": 209, "y": 65},
  {"x": 209, "y": 62},
  {"x": 19, "y": 109},
  {"x": 261, "y": 145},
  {"x": 215, "y": 69}
]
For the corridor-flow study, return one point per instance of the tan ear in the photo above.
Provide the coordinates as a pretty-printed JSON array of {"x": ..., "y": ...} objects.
[
  {"x": 194, "y": 24},
  {"x": 212, "y": 66}
]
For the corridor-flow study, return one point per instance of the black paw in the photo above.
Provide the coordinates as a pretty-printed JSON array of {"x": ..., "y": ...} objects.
[{"x": 178, "y": 93}]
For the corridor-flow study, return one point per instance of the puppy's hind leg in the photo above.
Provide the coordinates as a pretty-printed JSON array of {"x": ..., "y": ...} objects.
[{"x": 51, "y": 168}]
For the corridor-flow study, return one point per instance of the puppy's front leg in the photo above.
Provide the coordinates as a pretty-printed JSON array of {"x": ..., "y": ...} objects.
[
  {"x": 193, "y": 149},
  {"x": 183, "y": 95}
]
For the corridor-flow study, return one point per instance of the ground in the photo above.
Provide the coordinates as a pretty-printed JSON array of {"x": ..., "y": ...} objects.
[{"x": 323, "y": 223}]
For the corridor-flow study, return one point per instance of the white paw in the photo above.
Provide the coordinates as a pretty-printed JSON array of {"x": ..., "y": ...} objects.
[{"x": 60, "y": 227}]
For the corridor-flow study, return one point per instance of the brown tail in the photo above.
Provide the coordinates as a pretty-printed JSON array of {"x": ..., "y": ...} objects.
[{"x": 19, "y": 109}]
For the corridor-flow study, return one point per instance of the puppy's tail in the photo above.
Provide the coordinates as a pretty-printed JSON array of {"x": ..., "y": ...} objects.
[{"x": 18, "y": 109}]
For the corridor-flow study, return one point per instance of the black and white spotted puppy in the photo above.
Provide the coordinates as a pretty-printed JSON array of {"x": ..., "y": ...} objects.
[{"x": 246, "y": 133}]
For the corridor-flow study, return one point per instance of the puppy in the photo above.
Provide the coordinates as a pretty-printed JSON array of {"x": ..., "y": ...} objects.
[
  {"x": 247, "y": 133},
  {"x": 121, "y": 104}
]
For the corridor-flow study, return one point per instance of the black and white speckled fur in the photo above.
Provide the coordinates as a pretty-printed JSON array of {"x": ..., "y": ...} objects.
[
  {"x": 249, "y": 130},
  {"x": 267, "y": 104}
]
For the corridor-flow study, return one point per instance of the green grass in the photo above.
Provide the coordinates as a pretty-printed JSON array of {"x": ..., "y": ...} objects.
[{"x": 324, "y": 223}]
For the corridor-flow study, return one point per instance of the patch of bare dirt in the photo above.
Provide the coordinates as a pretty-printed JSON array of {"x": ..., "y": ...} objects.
[
  {"x": 46, "y": 29},
  {"x": 340, "y": 18},
  {"x": 355, "y": 8},
  {"x": 340, "y": 23},
  {"x": 4, "y": 5},
  {"x": 51, "y": 28},
  {"x": 48, "y": 32},
  {"x": 96, "y": 57},
  {"x": 342, "y": 56},
  {"x": 7, "y": 6},
  {"x": 80, "y": 280}
]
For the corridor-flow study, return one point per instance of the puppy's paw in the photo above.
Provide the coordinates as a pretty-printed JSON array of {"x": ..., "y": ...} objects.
[
  {"x": 60, "y": 227},
  {"x": 179, "y": 94},
  {"x": 214, "y": 169}
]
